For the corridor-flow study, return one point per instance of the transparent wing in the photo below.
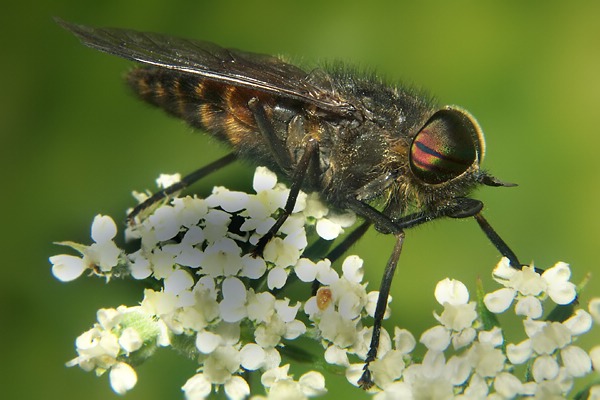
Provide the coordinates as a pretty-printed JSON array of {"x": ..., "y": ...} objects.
[{"x": 256, "y": 71}]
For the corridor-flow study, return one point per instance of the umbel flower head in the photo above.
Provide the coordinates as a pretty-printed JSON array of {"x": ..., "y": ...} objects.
[{"x": 211, "y": 298}]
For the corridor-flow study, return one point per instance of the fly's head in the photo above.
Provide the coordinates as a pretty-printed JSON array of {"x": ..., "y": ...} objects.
[{"x": 443, "y": 162}]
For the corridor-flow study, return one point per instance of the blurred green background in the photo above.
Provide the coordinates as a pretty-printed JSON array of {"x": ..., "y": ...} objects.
[{"x": 74, "y": 143}]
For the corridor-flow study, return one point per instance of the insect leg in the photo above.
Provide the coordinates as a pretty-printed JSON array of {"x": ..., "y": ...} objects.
[
  {"x": 348, "y": 241},
  {"x": 503, "y": 247},
  {"x": 182, "y": 184},
  {"x": 460, "y": 207},
  {"x": 310, "y": 150},
  {"x": 365, "y": 380},
  {"x": 276, "y": 146},
  {"x": 385, "y": 224},
  {"x": 382, "y": 222},
  {"x": 498, "y": 242},
  {"x": 284, "y": 161},
  {"x": 341, "y": 248}
]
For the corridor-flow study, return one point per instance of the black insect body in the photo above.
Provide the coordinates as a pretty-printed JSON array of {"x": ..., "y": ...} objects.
[{"x": 352, "y": 138}]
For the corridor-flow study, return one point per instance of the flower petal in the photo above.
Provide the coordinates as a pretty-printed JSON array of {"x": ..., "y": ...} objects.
[
  {"x": 493, "y": 336},
  {"x": 207, "y": 342},
  {"x": 305, "y": 270},
  {"x": 563, "y": 293},
  {"x": 503, "y": 270},
  {"x": 559, "y": 273},
  {"x": 228, "y": 200},
  {"x": 576, "y": 361},
  {"x": 312, "y": 384},
  {"x": 178, "y": 281},
  {"x": 353, "y": 269},
  {"x": 197, "y": 387},
  {"x": 529, "y": 306},
  {"x": 595, "y": 357},
  {"x": 519, "y": 353},
  {"x": 404, "y": 341},
  {"x": 508, "y": 385},
  {"x": 545, "y": 368},
  {"x": 451, "y": 291},
  {"x": 436, "y": 338},
  {"x": 165, "y": 180},
  {"x": 594, "y": 308},
  {"x": 335, "y": 355},
  {"x": 165, "y": 223},
  {"x": 104, "y": 228},
  {"x": 237, "y": 388},
  {"x": 276, "y": 278},
  {"x": 130, "y": 340},
  {"x": 264, "y": 179},
  {"x": 66, "y": 268},
  {"x": 252, "y": 267},
  {"x": 328, "y": 229},
  {"x": 122, "y": 378},
  {"x": 579, "y": 323},
  {"x": 499, "y": 301},
  {"x": 553, "y": 336},
  {"x": 252, "y": 356}
]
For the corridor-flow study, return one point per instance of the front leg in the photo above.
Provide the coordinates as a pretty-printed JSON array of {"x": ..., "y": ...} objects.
[
  {"x": 460, "y": 207},
  {"x": 276, "y": 146},
  {"x": 311, "y": 150},
  {"x": 366, "y": 381},
  {"x": 284, "y": 161}
]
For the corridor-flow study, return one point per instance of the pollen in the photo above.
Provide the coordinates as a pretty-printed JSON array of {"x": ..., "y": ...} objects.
[{"x": 324, "y": 298}]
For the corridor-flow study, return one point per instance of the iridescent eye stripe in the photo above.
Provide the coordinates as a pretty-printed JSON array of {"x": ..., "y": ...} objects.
[{"x": 429, "y": 159}]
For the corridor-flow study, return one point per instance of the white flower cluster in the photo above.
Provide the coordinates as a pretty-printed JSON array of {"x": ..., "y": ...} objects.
[
  {"x": 212, "y": 290},
  {"x": 102, "y": 257},
  {"x": 117, "y": 334},
  {"x": 217, "y": 302},
  {"x": 465, "y": 359}
]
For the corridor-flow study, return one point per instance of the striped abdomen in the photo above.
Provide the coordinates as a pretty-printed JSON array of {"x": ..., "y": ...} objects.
[{"x": 215, "y": 107}]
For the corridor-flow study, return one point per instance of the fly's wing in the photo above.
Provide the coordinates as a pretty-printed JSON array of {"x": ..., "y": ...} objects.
[{"x": 238, "y": 68}]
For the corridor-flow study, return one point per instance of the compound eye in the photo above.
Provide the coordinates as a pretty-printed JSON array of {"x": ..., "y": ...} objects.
[{"x": 446, "y": 146}]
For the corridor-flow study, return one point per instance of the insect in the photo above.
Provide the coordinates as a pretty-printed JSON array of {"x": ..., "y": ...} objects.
[{"x": 389, "y": 154}]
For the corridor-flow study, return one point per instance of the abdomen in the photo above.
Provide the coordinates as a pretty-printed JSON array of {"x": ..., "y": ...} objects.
[{"x": 219, "y": 109}]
